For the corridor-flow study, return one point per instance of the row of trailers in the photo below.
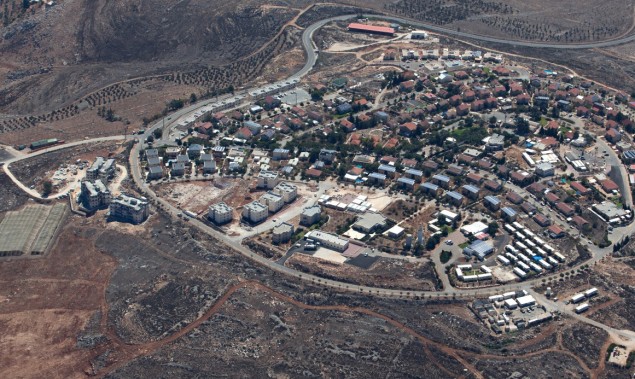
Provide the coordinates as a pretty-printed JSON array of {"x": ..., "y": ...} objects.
[
  {"x": 528, "y": 252},
  {"x": 579, "y": 297}
]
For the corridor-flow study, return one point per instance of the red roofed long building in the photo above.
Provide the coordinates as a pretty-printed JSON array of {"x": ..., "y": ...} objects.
[{"x": 371, "y": 29}]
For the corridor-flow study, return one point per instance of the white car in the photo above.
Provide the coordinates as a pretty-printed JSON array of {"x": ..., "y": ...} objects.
[{"x": 449, "y": 242}]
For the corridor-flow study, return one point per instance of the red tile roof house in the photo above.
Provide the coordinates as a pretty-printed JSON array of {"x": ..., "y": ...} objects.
[
  {"x": 463, "y": 110},
  {"x": 493, "y": 185},
  {"x": 469, "y": 96},
  {"x": 204, "y": 127},
  {"x": 542, "y": 220},
  {"x": 501, "y": 71},
  {"x": 312, "y": 172},
  {"x": 555, "y": 231},
  {"x": 515, "y": 89},
  {"x": 613, "y": 136},
  {"x": 391, "y": 143},
  {"x": 478, "y": 105},
  {"x": 565, "y": 209},
  {"x": 523, "y": 99},
  {"x": 491, "y": 102},
  {"x": 411, "y": 163},
  {"x": 465, "y": 159},
  {"x": 474, "y": 178},
  {"x": 347, "y": 125},
  {"x": 580, "y": 188},
  {"x": 408, "y": 129},
  {"x": 582, "y": 111},
  {"x": 550, "y": 142},
  {"x": 580, "y": 222},
  {"x": 552, "y": 125},
  {"x": 461, "y": 75},
  {"x": 455, "y": 100},
  {"x": 500, "y": 91},
  {"x": 514, "y": 198},
  {"x": 552, "y": 198},
  {"x": 609, "y": 186},
  {"x": 244, "y": 133},
  {"x": 407, "y": 86},
  {"x": 521, "y": 179}
]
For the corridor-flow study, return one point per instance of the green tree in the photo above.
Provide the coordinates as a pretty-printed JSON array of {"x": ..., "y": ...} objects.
[
  {"x": 193, "y": 98},
  {"x": 522, "y": 126},
  {"x": 492, "y": 228},
  {"x": 175, "y": 104},
  {"x": 47, "y": 188}
]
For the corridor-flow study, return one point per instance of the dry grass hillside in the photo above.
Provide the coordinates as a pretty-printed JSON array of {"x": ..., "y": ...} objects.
[{"x": 61, "y": 64}]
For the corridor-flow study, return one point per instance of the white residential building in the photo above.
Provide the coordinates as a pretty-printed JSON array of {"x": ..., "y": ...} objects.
[
  {"x": 255, "y": 212},
  {"x": 288, "y": 191},
  {"x": 274, "y": 201},
  {"x": 95, "y": 194},
  {"x": 310, "y": 215},
  {"x": 93, "y": 171},
  {"x": 282, "y": 233},
  {"x": 267, "y": 179},
  {"x": 129, "y": 209},
  {"x": 220, "y": 213}
]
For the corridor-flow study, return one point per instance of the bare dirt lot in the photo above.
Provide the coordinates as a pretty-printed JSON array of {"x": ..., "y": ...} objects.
[{"x": 47, "y": 302}]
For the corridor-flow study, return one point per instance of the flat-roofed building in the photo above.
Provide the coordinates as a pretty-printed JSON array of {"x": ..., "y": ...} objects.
[
  {"x": 370, "y": 222},
  {"x": 280, "y": 154},
  {"x": 178, "y": 169},
  {"x": 93, "y": 171},
  {"x": 152, "y": 153},
  {"x": 255, "y": 212},
  {"x": 310, "y": 215},
  {"x": 272, "y": 200},
  {"x": 610, "y": 212},
  {"x": 288, "y": 191},
  {"x": 267, "y": 179},
  {"x": 209, "y": 167},
  {"x": 107, "y": 170},
  {"x": 282, "y": 233},
  {"x": 95, "y": 194},
  {"x": 220, "y": 213},
  {"x": 328, "y": 240},
  {"x": 129, "y": 209},
  {"x": 155, "y": 172}
]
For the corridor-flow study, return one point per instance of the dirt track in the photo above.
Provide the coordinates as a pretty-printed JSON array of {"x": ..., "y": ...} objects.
[{"x": 126, "y": 352}]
